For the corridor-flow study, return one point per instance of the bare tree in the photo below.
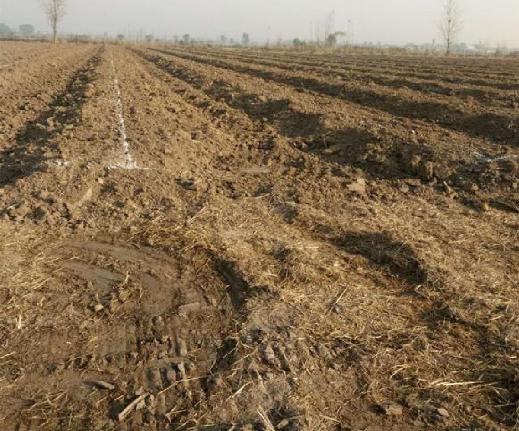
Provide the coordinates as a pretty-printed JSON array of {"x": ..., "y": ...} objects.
[
  {"x": 54, "y": 11},
  {"x": 350, "y": 33},
  {"x": 318, "y": 34},
  {"x": 450, "y": 24},
  {"x": 329, "y": 23}
]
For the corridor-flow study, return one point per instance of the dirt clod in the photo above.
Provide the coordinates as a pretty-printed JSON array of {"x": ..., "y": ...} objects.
[
  {"x": 390, "y": 409},
  {"x": 359, "y": 186},
  {"x": 442, "y": 412}
]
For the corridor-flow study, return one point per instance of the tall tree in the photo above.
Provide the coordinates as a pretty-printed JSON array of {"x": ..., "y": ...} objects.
[
  {"x": 450, "y": 24},
  {"x": 54, "y": 11}
]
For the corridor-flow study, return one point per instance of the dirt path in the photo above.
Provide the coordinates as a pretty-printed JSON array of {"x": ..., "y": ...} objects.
[{"x": 232, "y": 278}]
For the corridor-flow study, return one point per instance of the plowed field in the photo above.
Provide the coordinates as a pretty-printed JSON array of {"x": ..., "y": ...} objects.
[{"x": 222, "y": 239}]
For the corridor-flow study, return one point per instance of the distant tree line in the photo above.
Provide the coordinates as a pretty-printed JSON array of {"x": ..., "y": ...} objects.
[
  {"x": 450, "y": 26},
  {"x": 26, "y": 30}
]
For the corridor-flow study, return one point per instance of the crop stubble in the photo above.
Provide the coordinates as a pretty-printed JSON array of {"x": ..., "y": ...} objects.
[{"x": 298, "y": 250}]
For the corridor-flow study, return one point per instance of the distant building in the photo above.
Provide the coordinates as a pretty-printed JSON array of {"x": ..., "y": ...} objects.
[{"x": 26, "y": 30}]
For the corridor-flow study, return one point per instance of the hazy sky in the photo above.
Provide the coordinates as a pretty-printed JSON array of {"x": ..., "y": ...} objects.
[{"x": 390, "y": 21}]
